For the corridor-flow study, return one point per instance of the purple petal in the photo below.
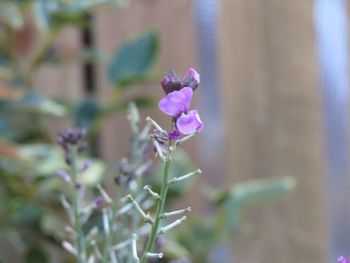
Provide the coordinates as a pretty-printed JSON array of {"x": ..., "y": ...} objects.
[
  {"x": 191, "y": 72},
  {"x": 188, "y": 93},
  {"x": 192, "y": 79},
  {"x": 64, "y": 175},
  {"x": 343, "y": 260},
  {"x": 189, "y": 123},
  {"x": 165, "y": 81},
  {"x": 174, "y": 135},
  {"x": 85, "y": 166},
  {"x": 98, "y": 202},
  {"x": 176, "y": 102}
]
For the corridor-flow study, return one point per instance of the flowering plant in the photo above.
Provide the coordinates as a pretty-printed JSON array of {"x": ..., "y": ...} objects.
[
  {"x": 135, "y": 224},
  {"x": 146, "y": 229}
]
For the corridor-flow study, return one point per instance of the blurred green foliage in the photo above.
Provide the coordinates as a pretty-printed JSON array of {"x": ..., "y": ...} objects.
[{"x": 31, "y": 217}]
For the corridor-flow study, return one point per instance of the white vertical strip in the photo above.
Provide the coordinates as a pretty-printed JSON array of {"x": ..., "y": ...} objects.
[
  {"x": 331, "y": 24},
  {"x": 206, "y": 13}
]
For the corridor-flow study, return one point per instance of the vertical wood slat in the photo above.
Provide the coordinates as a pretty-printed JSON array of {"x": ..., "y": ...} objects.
[
  {"x": 272, "y": 102},
  {"x": 62, "y": 81},
  {"x": 66, "y": 80}
]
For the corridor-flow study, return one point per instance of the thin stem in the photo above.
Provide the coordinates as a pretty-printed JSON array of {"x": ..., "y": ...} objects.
[
  {"x": 107, "y": 251},
  {"x": 160, "y": 205},
  {"x": 79, "y": 240}
]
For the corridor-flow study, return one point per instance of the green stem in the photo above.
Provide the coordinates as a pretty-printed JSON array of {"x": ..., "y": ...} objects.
[
  {"x": 160, "y": 205},
  {"x": 111, "y": 223},
  {"x": 79, "y": 240}
]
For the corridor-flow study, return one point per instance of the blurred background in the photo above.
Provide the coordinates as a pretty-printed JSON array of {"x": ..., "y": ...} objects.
[{"x": 273, "y": 96}]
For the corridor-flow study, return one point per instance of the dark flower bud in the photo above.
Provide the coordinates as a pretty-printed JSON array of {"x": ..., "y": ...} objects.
[
  {"x": 171, "y": 82},
  {"x": 98, "y": 202},
  {"x": 71, "y": 137},
  {"x": 174, "y": 135},
  {"x": 192, "y": 79}
]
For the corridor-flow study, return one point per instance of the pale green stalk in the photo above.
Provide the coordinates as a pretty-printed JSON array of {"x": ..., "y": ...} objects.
[
  {"x": 160, "y": 205},
  {"x": 79, "y": 238}
]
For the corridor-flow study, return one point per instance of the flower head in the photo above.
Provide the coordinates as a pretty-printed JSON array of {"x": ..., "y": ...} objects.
[
  {"x": 71, "y": 137},
  {"x": 177, "y": 103},
  {"x": 171, "y": 82}
]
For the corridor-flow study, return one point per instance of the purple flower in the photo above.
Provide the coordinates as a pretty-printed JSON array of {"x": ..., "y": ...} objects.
[
  {"x": 174, "y": 135},
  {"x": 64, "y": 175},
  {"x": 98, "y": 202},
  {"x": 177, "y": 104},
  {"x": 343, "y": 260},
  {"x": 189, "y": 123}
]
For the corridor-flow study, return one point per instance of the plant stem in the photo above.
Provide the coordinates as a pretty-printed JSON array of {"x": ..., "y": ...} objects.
[
  {"x": 112, "y": 222},
  {"x": 79, "y": 240},
  {"x": 160, "y": 205}
]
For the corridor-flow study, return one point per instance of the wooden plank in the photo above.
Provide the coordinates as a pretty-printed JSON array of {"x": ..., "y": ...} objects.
[
  {"x": 272, "y": 102},
  {"x": 62, "y": 80}
]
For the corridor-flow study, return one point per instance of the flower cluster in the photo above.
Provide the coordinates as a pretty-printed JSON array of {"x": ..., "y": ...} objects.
[
  {"x": 145, "y": 242},
  {"x": 177, "y": 103},
  {"x": 172, "y": 82},
  {"x": 71, "y": 137}
]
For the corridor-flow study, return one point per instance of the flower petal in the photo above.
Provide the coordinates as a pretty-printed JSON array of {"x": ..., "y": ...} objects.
[
  {"x": 192, "y": 79},
  {"x": 174, "y": 135},
  {"x": 343, "y": 260},
  {"x": 176, "y": 102},
  {"x": 189, "y": 123},
  {"x": 192, "y": 73},
  {"x": 188, "y": 93}
]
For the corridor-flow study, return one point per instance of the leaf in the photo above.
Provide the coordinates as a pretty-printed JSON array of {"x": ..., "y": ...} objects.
[
  {"x": 10, "y": 14},
  {"x": 86, "y": 5},
  {"x": 86, "y": 113},
  {"x": 62, "y": 18},
  {"x": 45, "y": 159},
  {"x": 7, "y": 93},
  {"x": 261, "y": 190},
  {"x": 134, "y": 60},
  {"x": 9, "y": 151},
  {"x": 36, "y": 255},
  {"x": 41, "y": 14},
  {"x": 94, "y": 174},
  {"x": 35, "y": 103},
  {"x": 244, "y": 194}
]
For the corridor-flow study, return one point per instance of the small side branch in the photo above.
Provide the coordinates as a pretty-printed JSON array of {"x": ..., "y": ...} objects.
[
  {"x": 176, "y": 213},
  {"x": 171, "y": 226},
  {"x": 134, "y": 248},
  {"x": 147, "y": 218},
  {"x": 184, "y": 177}
]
